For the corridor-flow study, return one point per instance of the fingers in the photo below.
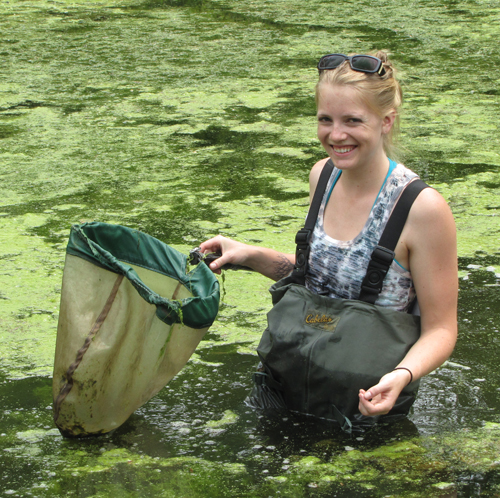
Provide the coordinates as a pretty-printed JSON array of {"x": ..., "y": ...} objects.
[
  {"x": 379, "y": 399},
  {"x": 230, "y": 250},
  {"x": 373, "y": 405},
  {"x": 373, "y": 392},
  {"x": 212, "y": 245},
  {"x": 220, "y": 262}
]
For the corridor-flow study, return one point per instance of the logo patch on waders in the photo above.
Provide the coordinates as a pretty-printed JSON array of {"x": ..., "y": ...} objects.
[{"x": 321, "y": 321}]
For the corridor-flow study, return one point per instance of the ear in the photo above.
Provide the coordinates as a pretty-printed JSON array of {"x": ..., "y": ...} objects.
[{"x": 388, "y": 122}]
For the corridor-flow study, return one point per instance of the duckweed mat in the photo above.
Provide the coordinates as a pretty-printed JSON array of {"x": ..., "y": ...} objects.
[{"x": 188, "y": 118}]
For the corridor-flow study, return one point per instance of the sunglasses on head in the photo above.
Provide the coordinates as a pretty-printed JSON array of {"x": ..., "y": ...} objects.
[{"x": 363, "y": 63}]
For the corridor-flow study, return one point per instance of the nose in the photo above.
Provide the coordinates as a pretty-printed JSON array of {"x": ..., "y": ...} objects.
[{"x": 337, "y": 133}]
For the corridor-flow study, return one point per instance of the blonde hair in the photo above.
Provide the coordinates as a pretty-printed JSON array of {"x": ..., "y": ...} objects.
[{"x": 381, "y": 94}]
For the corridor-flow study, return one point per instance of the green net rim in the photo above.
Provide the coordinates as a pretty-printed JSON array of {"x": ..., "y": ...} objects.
[{"x": 116, "y": 247}]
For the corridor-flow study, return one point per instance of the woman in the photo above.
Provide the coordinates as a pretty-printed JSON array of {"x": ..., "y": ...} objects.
[{"x": 358, "y": 99}]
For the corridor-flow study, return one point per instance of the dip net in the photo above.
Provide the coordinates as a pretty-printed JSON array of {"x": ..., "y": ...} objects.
[{"x": 131, "y": 316}]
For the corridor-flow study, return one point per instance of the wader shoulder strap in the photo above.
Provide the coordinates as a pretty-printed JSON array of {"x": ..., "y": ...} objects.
[
  {"x": 383, "y": 254},
  {"x": 303, "y": 236}
]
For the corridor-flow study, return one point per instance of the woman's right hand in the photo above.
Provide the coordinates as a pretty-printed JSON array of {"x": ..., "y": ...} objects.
[
  {"x": 232, "y": 252},
  {"x": 268, "y": 262}
]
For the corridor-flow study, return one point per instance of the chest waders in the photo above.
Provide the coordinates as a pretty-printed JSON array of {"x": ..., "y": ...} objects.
[{"x": 317, "y": 352}]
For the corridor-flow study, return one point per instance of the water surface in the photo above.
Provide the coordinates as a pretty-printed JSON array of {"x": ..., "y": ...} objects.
[{"x": 185, "y": 119}]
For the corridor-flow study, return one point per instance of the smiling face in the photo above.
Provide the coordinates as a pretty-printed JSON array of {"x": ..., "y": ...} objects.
[{"x": 351, "y": 133}]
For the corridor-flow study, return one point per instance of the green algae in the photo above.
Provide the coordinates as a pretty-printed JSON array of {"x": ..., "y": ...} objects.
[
  {"x": 416, "y": 466},
  {"x": 29, "y": 268},
  {"x": 475, "y": 207},
  {"x": 228, "y": 417},
  {"x": 399, "y": 465}
]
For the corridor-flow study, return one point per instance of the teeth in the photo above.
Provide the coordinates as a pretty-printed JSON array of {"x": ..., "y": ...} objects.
[{"x": 343, "y": 149}]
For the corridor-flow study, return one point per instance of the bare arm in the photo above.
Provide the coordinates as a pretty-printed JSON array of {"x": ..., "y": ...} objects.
[
  {"x": 430, "y": 238},
  {"x": 270, "y": 263}
]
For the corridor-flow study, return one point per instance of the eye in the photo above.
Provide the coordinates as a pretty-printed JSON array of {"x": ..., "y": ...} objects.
[
  {"x": 354, "y": 120},
  {"x": 324, "y": 119}
]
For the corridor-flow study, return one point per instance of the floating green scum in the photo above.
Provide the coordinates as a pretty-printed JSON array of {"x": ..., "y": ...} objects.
[{"x": 131, "y": 316}]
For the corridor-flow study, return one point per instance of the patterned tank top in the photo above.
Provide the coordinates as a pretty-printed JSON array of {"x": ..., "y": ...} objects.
[{"x": 337, "y": 268}]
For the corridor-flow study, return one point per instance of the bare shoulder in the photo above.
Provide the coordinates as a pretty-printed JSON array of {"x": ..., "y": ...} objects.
[
  {"x": 430, "y": 208},
  {"x": 431, "y": 221},
  {"x": 315, "y": 172}
]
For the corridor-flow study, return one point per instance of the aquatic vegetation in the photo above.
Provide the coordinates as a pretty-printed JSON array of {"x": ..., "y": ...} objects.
[
  {"x": 423, "y": 466},
  {"x": 188, "y": 118}
]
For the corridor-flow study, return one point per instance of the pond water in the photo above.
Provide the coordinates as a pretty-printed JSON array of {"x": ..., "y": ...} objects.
[{"x": 188, "y": 118}]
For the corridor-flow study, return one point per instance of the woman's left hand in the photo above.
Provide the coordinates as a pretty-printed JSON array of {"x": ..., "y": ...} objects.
[{"x": 380, "y": 399}]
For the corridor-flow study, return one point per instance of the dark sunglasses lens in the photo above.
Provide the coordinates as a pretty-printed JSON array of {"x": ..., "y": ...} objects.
[
  {"x": 331, "y": 61},
  {"x": 364, "y": 63}
]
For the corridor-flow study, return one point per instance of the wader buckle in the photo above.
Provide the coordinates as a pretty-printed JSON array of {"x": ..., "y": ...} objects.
[
  {"x": 303, "y": 236},
  {"x": 377, "y": 270},
  {"x": 383, "y": 256},
  {"x": 302, "y": 240}
]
